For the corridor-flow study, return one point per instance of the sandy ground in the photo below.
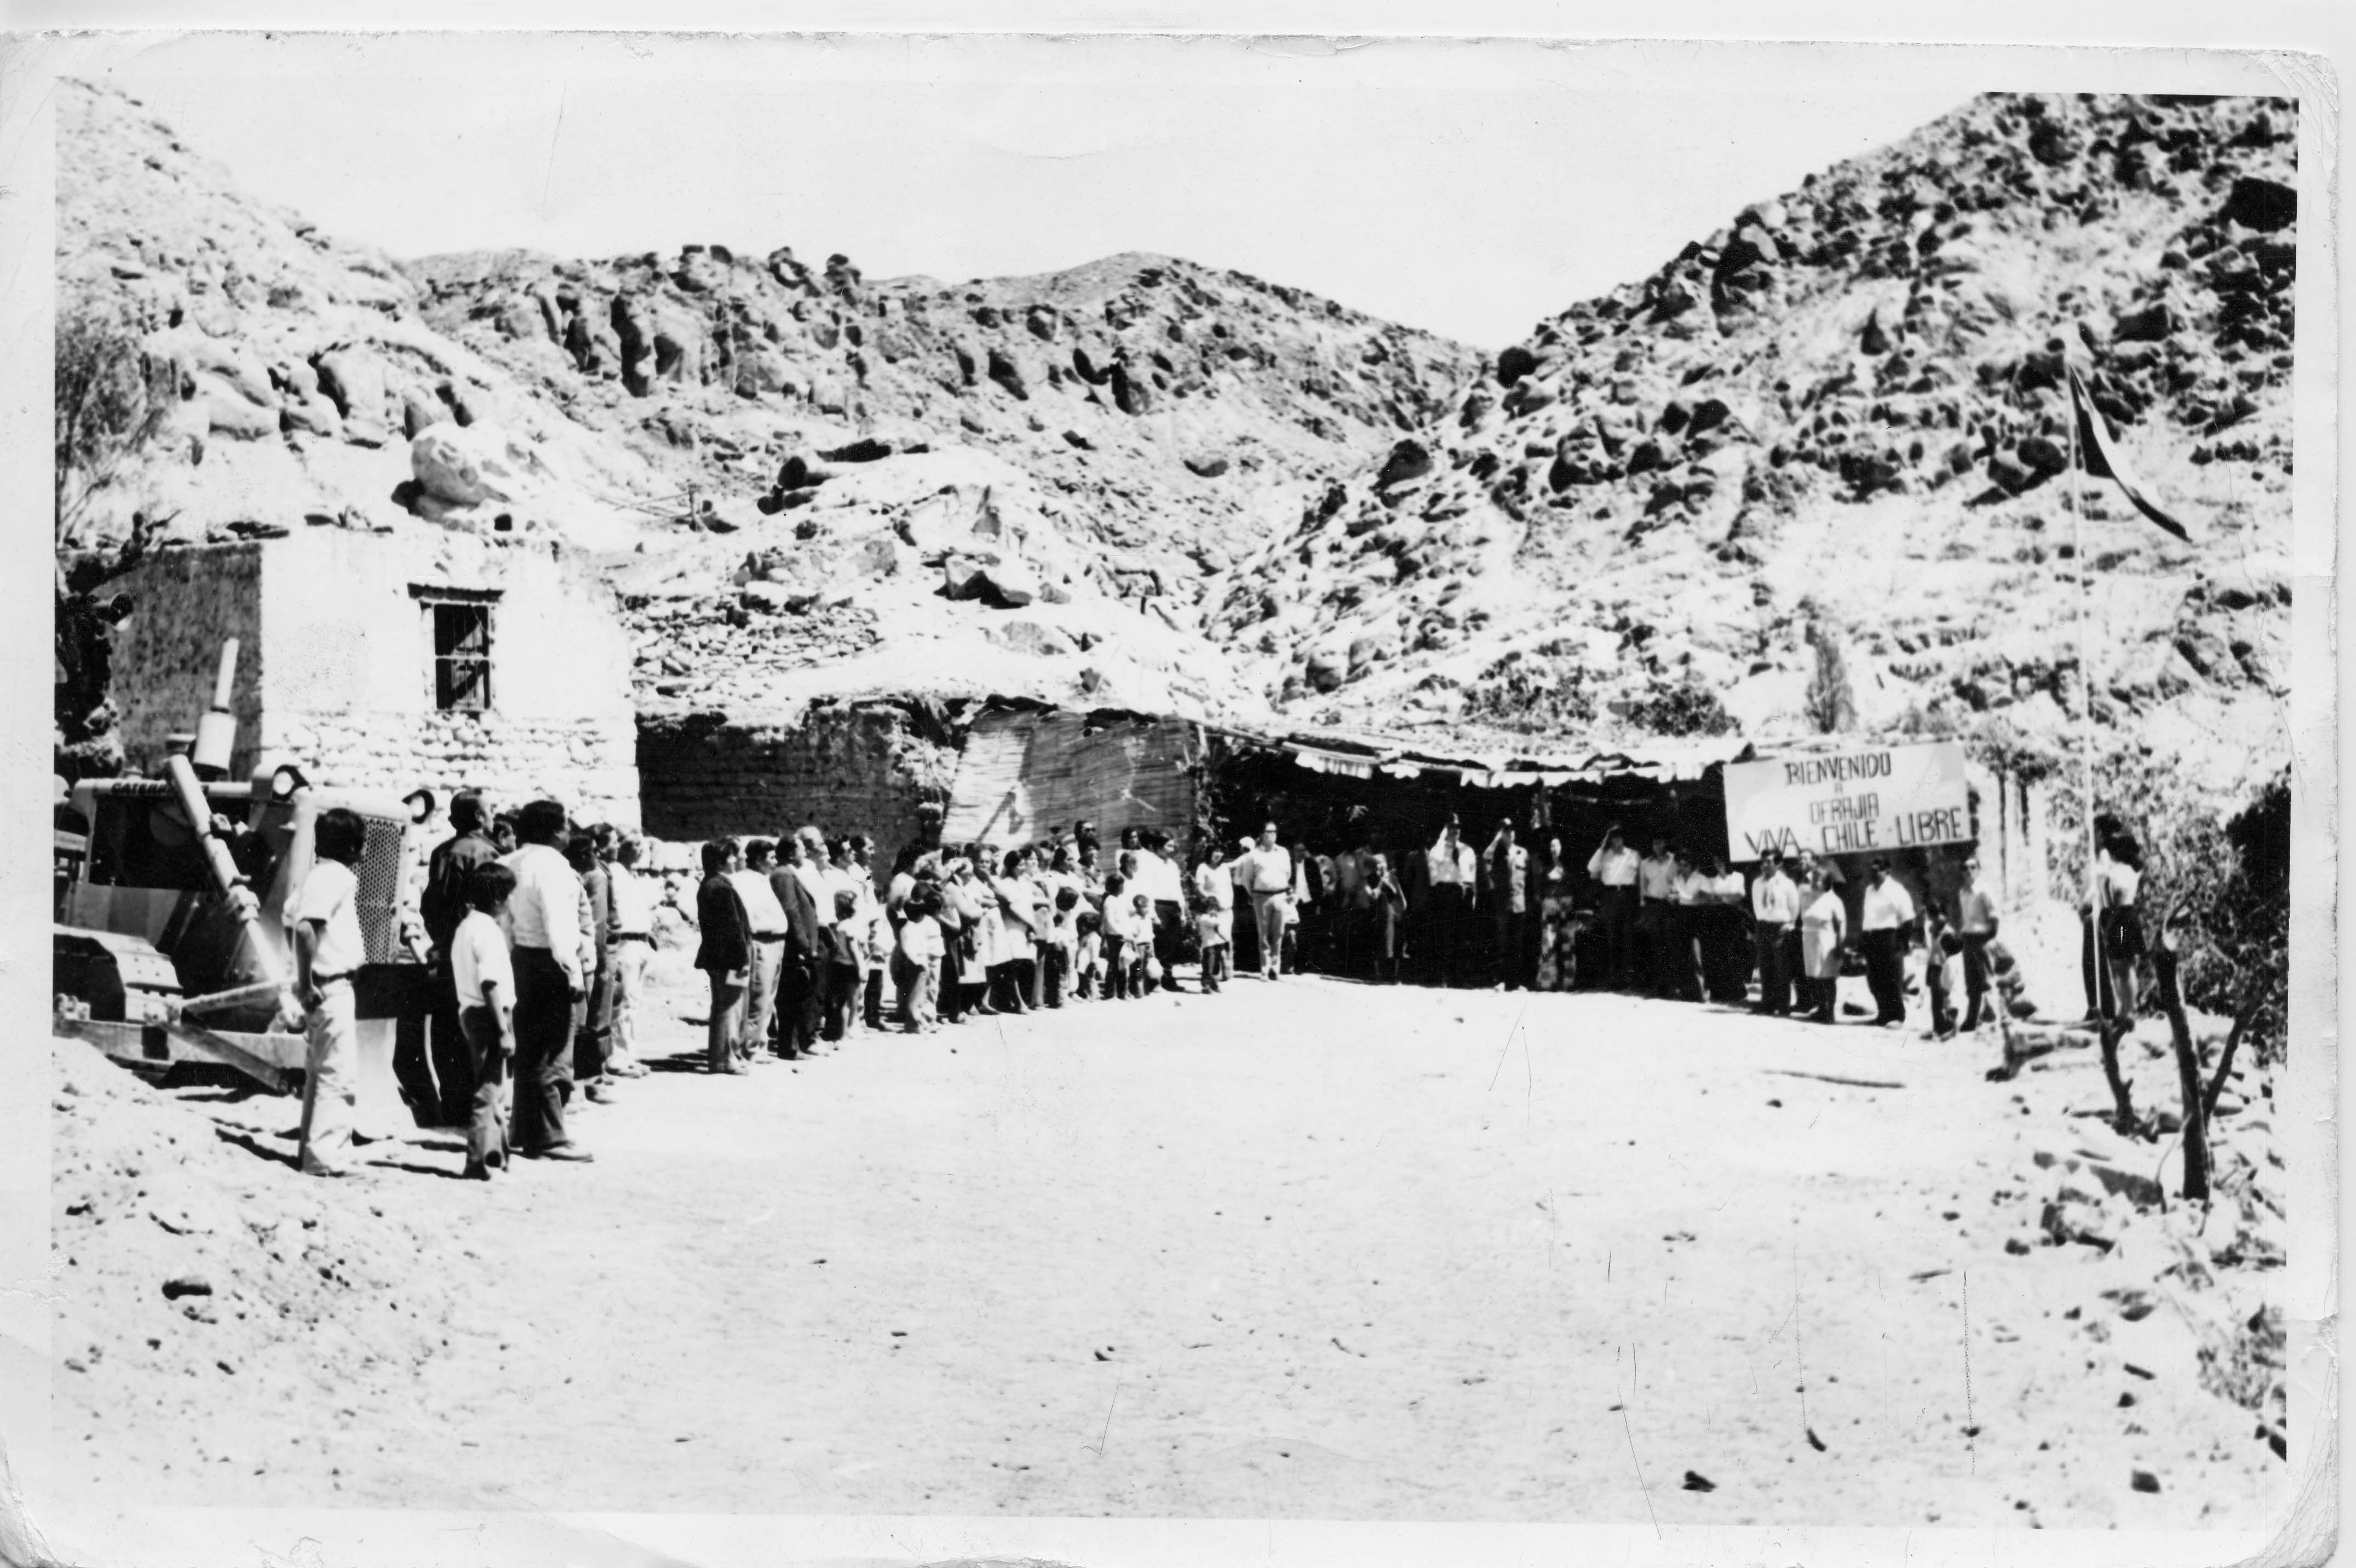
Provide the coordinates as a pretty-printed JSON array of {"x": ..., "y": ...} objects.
[{"x": 1308, "y": 1250}]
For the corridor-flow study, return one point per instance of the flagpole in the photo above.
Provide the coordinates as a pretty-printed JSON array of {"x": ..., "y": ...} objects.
[{"x": 2085, "y": 697}]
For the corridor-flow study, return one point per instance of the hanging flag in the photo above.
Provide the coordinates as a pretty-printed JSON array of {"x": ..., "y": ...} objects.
[{"x": 2098, "y": 451}]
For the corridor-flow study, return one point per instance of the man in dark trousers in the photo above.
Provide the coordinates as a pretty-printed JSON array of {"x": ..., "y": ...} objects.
[
  {"x": 1452, "y": 873},
  {"x": 1976, "y": 923},
  {"x": 1613, "y": 865},
  {"x": 593, "y": 1036},
  {"x": 545, "y": 924},
  {"x": 1887, "y": 922},
  {"x": 725, "y": 953},
  {"x": 441, "y": 908},
  {"x": 801, "y": 989},
  {"x": 1774, "y": 910}
]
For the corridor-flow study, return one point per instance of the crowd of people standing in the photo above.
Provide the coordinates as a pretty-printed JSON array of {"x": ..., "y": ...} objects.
[{"x": 537, "y": 937}]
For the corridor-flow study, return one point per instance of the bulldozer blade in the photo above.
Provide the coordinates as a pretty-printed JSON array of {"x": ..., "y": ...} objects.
[
  {"x": 232, "y": 1051},
  {"x": 158, "y": 1045}
]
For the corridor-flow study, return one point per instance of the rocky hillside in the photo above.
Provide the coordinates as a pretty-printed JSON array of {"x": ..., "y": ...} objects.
[
  {"x": 788, "y": 468},
  {"x": 1166, "y": 399},
  {"x": 1104, "y": 438},
  {"x": 1841, "y": 421},
  {"x": 281, "y": 376}
]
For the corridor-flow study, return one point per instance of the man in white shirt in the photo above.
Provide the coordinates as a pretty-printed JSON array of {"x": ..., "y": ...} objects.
[
  {"x": 1613, "y": 867},
  {"x": 1684, "y": 977},
  {"x": 1775, "y": 906},
  {"x": 634, "y": 936},
  {"x": 544, "y": 920},
  {"x": 812, "y": 869},
  {"x": 1725, "y": 963},
  {"x": 324, "y": 927},
  {"x": 1656, "y": 918},
  {"x": 482, "y": 975},
  {"x": 1885, "y": 924},
  {"x": 1452, "y": 870},
  {"x": 1266, "y": 876},
  {"x": 1159, "y": 878},
  {"x": 768, "y": 938}
]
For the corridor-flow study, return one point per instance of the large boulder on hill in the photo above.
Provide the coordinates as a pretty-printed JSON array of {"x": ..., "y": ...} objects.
[
  {"x": 1408, "y": 460},
  {"x": 468, "y": 465},
  {"x": 998, "y": 581},
  {"x": 354, "y": 380},
  {"x": 2264, "y": 205}
]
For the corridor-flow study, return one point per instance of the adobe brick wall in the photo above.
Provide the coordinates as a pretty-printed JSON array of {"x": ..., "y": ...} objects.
[{"x": 864, "y": 767}]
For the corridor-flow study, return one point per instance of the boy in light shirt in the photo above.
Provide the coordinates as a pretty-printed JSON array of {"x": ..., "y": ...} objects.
[
  {"x": 1145, "y": 971},
  {"x": 1119, "y": 940},
  {"x": 323, "y": 925},
  {"x": 484, "y": 974}
]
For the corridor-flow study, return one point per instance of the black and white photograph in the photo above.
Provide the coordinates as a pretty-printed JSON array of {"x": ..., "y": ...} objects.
[{"x": 911, "y": 799}]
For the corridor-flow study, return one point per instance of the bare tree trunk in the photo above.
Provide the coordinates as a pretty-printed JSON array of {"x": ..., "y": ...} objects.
[
  {"x": 2187, "y": 1068},
  {"x": 2225, "y": 1062},
  {"x": 2123, "y": 1116}
]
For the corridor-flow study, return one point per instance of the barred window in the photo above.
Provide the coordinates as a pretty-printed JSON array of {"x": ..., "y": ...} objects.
[{"x": 462, "y": 650}]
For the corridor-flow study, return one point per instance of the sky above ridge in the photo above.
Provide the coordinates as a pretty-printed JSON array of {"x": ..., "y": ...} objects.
[{"x": 1468, "y": 189}]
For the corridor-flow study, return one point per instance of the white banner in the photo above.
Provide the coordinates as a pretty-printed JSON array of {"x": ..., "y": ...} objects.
[{"x": 1871, "y": 800}]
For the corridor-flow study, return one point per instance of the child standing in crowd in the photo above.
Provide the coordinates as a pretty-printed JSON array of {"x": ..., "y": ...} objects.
[
  {"x": 485, "y": 977},
  {"x": 878, "y": 941},
  {"x": 1144, "y": 972},
  {"x": 1942, "y": 970},
  {"x": 1211, "y": 936},
  {"x": 1117, "y": 940},
  {"x": 842, "y": 945},
  {"x": 1057, "y": 942},
  {"x": 916, "y": 959},
  {"x": 1087, "y": 955}
]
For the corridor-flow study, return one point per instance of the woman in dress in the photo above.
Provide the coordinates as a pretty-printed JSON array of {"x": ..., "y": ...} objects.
[
  {"x": 1824, "y": 926},
  {"x": 1010, "y": 915},
  {"x": 960, "y": 918},
  {"x": 1557, "y": 932}
]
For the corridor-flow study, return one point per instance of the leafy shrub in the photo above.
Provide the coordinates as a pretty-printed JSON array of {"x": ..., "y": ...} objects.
[
  {"x": 1531, "y": 694},
  {"x": 1690, "y": 708}
]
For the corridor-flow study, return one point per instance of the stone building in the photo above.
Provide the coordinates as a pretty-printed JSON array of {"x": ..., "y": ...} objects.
[{"x": 390, "y": 661}]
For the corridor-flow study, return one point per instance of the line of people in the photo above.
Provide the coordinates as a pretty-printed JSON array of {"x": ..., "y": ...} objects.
[
  {"x": 538, "y": 951},
  {"x": 536, "y": 956},
  {"x": 798, "y": 948}
]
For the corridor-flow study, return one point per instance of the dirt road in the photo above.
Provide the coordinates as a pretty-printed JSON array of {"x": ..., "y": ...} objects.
[{"x": 1304, "y": 1249}]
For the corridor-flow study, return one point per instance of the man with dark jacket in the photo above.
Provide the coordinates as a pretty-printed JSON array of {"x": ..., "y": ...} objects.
[
  {"x": 440, "y": 909},
  {"x": 801, "y": 990},
  {"x": 724, "y": 952}
]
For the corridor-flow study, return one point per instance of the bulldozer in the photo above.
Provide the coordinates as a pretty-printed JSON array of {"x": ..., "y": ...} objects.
[{"x": 168, "y": 943}]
